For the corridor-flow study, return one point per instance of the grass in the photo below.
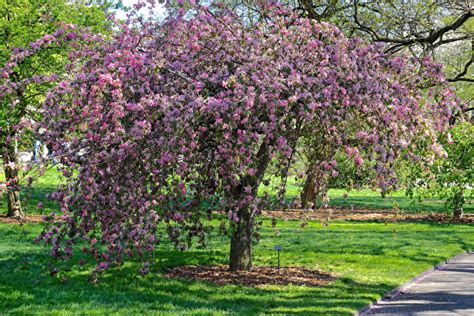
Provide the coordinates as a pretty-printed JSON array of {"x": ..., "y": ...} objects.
[{"x": 368, "y": 258}]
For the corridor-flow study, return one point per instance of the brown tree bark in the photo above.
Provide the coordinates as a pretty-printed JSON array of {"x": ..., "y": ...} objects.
[
  {"x": 13, "y": 190},
  {"x": 458, "y": 210},
  {"x": 308, "y": 194},
  {"x": 241, "y": 243},
  {"x": 458, "y": 213}
]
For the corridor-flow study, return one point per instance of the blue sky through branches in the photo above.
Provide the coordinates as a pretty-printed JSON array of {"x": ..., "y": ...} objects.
[{"x": 129, "y": 3}]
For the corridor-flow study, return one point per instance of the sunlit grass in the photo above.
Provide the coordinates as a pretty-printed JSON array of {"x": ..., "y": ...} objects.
[{"x": 32, "y": 195}]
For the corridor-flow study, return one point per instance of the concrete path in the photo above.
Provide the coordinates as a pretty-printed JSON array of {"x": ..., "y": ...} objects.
[{"x": 446, "y": 291}]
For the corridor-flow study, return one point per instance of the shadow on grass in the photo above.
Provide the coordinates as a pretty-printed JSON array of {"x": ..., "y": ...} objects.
[
  {"x": 123, "y": 290},
  {"x": 370, "y": 260}
]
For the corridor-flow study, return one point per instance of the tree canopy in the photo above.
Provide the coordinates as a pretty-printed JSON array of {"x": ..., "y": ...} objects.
[{"x": 169, "y": 120}]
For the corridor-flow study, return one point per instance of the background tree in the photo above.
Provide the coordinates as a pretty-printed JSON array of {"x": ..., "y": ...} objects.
[
  {"x": 450, "y": 177},
  {"x": 30, "y": 62}
]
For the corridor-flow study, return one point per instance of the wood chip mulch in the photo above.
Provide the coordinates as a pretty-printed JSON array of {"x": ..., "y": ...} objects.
[
  {"x": 320, "y": 215},
  {"x": 364, "y": 215},
  {"x": 29, "y": 219},
  {"x": 261, "y": 275}
]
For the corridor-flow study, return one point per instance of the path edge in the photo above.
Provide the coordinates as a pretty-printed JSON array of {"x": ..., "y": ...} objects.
[{"x": 364, "y": 311}]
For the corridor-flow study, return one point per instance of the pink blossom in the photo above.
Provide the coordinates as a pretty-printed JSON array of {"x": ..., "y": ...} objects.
[{"x": 178, "y": 217}]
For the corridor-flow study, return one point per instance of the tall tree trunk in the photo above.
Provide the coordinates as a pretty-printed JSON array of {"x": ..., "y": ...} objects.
[
  {"x": 13, "y": 189},
  {"x": 241, "y": 243},
  {"x": 308, "y": 195}
]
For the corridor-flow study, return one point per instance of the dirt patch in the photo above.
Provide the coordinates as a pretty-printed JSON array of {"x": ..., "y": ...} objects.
[
  {"x": 29, "y": 219},
  {"x": 326, "y": 215},
  {"x": 262, "y": 275}
]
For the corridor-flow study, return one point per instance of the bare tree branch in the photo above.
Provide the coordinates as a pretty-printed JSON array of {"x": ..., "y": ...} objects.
[
  {"x": 460, "y": 76},
  {"x": 431, "y": 39}
]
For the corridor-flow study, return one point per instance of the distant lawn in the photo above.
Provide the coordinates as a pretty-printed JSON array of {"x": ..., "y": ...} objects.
[
  {"x": 369, "y": 259},
  {"x": 372, "y": 200},
  {"x": 358, "y": 198},
  {"x": 367, "y": 198}
]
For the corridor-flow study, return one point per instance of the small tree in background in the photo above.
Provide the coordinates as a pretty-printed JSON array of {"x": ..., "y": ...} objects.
[
  {"x": 169, "y": 116},
  {"x": 33, "y": 52},
  {"x": 451, "y": 176}
]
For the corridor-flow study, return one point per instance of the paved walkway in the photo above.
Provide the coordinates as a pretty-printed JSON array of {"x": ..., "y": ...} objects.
[{"x": 447, "y": 291}]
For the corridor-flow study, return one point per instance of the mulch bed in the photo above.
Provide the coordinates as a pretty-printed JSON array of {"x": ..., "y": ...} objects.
[
  {"x": 261, "y": 275},
  {"x": 326, "y": 215},
  {"x": 29, "y": 219}
]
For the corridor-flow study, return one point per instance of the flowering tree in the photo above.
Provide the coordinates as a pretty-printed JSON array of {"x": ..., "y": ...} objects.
[
  {"x": 440, "y": 29},
  {"x": 167, "y": 116}
]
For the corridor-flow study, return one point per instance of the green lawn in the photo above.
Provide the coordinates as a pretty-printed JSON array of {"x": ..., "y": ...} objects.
[
  {"x": 368, "y": 258},
  {"x": 366, "y": 198}
]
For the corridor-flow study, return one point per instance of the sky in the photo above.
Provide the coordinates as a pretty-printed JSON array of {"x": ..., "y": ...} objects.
[{"x": 129, "y": 3}]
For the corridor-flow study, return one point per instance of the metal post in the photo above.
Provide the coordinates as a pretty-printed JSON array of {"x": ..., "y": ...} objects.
[
  {"x": 278, "y": 261},
  {"x": 278, "y": 249}
]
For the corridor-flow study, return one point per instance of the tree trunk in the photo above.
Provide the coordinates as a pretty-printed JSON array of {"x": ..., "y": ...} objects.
[
  {"x": 13, "y": 188},
  {"x": 14, "y": 205},
  {"x": 458, "y": 211},
  {"x": 242, "y": 231},
  {"x": 241, "y": 243},
  {"x": 308, "y": 195}
]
